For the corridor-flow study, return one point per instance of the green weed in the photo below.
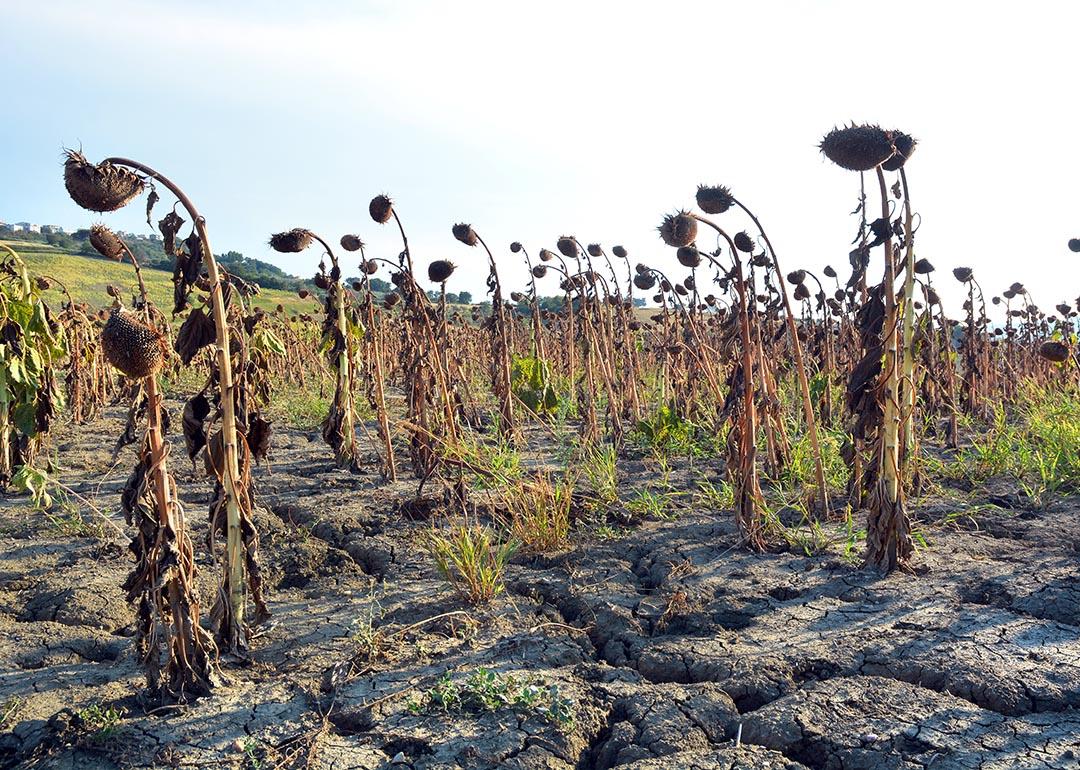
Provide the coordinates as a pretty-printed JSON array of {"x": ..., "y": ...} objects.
[
  {"x": 472, "y": 560},
  {"x": 485, "y": 691},
  {"x": 539, "y": 511},
  {"x": 103, "y": 722},
  {"x": 597, "y": 466}
]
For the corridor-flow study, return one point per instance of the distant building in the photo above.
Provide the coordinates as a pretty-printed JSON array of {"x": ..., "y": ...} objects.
[
  {"x": 27, "y": 227},
  {"x": 155, "y": 237},
  {"x": 14, "y": 227},
  {"x": 52, "y": 230}
]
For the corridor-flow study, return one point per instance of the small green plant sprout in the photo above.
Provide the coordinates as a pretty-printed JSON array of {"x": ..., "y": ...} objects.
[
  {"x": 250, "y": 748},
  {"x": 101, "y": 722},
  {"x": 35, "y": 482},
  {"x": 854, "y": 540},
  {"x": 368, "y": 636},
  {"x": 487, "y": 691}
]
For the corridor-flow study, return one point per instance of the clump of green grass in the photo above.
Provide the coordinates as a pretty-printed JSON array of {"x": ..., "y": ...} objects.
[
  {"x": 801, "y": 472},
  {"x": 539, "y": 511},
  {"x": 653, "y": 503},
  {"x": 69, "y": 522},
  {"x": 597, "y": 466},
  {"x": 299, "y": 408},
  {"x": 610, "y": 532},
  {"x": 64, "y": 516},
  {"x": 491, "y": 464},
  {"x": 472, "y": 559},
  {"x": 714, "y": 495},
  {"x": 486, "y": 691}
]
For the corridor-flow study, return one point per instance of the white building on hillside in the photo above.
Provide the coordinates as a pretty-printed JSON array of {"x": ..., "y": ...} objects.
[
  {"x": 28, "y": 227},
  {"x": 52, "y": 229}
]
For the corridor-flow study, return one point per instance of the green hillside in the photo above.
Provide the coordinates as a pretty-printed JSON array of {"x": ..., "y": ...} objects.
[{"x": 87, "y": 278}]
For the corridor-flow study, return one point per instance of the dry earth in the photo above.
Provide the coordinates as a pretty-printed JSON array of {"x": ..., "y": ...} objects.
[{"x": 668, "y": 642}]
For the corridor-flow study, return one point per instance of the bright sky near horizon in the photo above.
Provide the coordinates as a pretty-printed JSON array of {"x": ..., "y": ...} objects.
[{"x": 531, "y": 120}]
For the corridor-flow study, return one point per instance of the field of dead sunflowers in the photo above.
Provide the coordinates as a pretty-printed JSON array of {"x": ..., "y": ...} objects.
[{"x": 770, "y": 519}]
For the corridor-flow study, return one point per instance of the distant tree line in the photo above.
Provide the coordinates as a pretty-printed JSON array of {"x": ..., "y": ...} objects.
[{"x": 452, "y": 298}]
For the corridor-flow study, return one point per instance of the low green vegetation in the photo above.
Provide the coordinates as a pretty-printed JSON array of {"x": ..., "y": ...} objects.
[
  {"x": 472, "y": 559},
  {"x": 538, "y": 510},
  {"x": 534, "y": 387},
  {"x": 666, "y": 431},
  {"x": 101, "y": 721},
  {"x": 486, "y": 691},
  {"x": 1036, "y": 443}
]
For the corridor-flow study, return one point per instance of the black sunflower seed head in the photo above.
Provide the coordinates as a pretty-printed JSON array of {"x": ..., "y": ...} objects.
[
  {"x": 714, "y": 199},
  {"x": 678, "y": 229},
  {"x": 291, "y": 241},
  {"x": 857, "y": 147},
  {"x": 465, "y": 234}
]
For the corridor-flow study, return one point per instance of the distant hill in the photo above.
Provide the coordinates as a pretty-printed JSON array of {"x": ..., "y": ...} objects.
[
  {"x": 88, "y": 276},
  {"x": 151, "y": 253}
]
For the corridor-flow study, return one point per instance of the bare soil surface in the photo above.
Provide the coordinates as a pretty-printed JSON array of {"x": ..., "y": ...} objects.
[{"x": 668, "y": 642}]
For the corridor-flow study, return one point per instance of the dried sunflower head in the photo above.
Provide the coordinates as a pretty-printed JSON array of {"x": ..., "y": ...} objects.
[
  {"x": 714, "y": 199},
  {"x": 688, "y": 256},
  {"x": 1053, "y": 350},
  {"x": 291, "y": 241},
  {"x": 465, "y": 234},
  {"x": 567, "y": 246},
  {"x": 351, "y": 243},
  {"x": 131, "y": 345},
  {"x": 440, "y": 270},
  {"x": 857, "y": 147},
  {"x": 101, "y": 187},
  {"x": 106, "y": 242},
  {"x": 904, "y": 145},
  {"x": 381, "y": 209},
  {"x": 678, "y": 229}
]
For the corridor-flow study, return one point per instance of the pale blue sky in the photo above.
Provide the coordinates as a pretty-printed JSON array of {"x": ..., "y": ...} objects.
[{"x": 531, "y": 120}]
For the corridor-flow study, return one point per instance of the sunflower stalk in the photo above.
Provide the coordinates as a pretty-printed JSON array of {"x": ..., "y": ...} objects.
[
  {"x": 233, "y": 632},
  {"x": 888, "y": 538}
]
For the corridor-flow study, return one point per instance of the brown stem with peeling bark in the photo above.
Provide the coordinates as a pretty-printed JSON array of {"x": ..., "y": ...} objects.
[{"x": 234, "y": 634}]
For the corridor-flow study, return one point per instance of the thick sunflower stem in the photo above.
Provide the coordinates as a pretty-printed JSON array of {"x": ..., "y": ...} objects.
[
  {"x": 908, "y": 313},
  {"x": 888, "y": 537}
]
